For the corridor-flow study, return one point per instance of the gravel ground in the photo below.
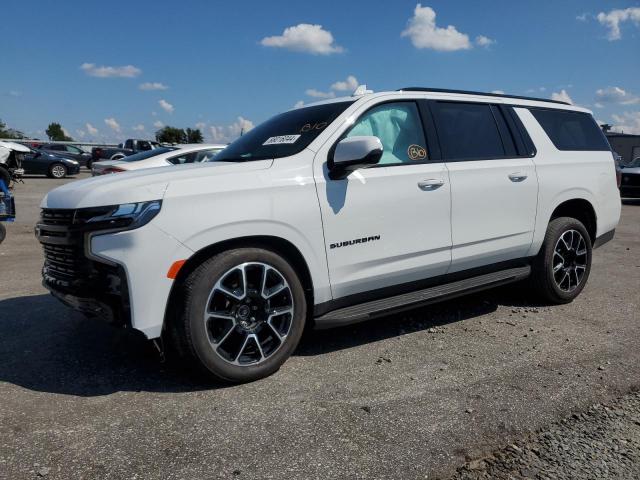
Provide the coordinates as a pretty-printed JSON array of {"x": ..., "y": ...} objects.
[
  {"x": 406, "y": 396},
  {"x": 600, "y": 442}
]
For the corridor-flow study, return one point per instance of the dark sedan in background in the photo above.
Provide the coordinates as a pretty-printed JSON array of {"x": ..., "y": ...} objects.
[
  {"x": 67, "y": 151},
  {"x": 41, "y": 162},
  {"x": 630, "y": 179}
]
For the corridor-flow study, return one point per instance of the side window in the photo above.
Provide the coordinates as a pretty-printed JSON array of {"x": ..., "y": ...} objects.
[
  {"x": 72, "y": 149},
  {"x": 467, "y": 131},
  {"x": 184, "y": 158},
  {"x": 399, "y": 128},
  {"x": 56, "y": 147},
  {"x": 144, "y": 145},
  {"x": 128, "y": 144},
  {"x": 571, "y": 130},
  {"x": 206, "y": 155}
]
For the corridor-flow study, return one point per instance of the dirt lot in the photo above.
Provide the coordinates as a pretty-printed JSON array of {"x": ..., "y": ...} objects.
[{"x": 408, "y": 396}]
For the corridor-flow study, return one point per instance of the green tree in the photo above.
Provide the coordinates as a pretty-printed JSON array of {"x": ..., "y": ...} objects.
[
  {"x": 10, "y": 133},
  {"x": 171, "y": 135},
  {"x": 55, "y": 132},
  {"x": 194, "y": 135}
]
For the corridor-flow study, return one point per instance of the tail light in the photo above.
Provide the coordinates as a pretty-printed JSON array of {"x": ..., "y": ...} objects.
[{"x": 113, "y": 170}]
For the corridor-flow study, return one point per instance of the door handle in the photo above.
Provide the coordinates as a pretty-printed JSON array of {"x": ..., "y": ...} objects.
[
  {"x": 517, "y": 177},
  {"x": 430, "y": 184}
]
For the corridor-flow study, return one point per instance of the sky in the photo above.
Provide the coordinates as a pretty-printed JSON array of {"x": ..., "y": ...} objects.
[{"x": 120, "y": 69}]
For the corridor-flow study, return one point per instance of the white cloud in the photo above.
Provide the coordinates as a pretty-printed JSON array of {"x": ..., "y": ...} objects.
[
  {"x": 228, "y": 133},
  {"x": 498, "y": 92},
  {"x": 166, "y": 106},
  {"x": 91, "y": 129},
  {"x": 299, "y": 104},
  {"x": 616, "y": 95},
  {"x": 152, "y": 86},
  {"x": 126, "y": 71},
  {"x": 80, "y": 133},
  {"x": 348, "y": 85},
  {"x": 424, "y": 33},
  {"x": 562, "y": 96},
  {"x": 201, "y": 125},
  {"x": 138, "y": 128},
  {"x": 15, "y": 93},
  {"x": 304, "y": 38},
  {"x": 112, "y": 124},
  {"x": 312, "y": 92},
  {"x": 598, "y": 105},
  {"x": 583, "y": 17},
  {"x": 158, "y": 124},
  {"x": 614, "y": 18},
  {"x": 628, "y": 122},
  {"x": 483, "y": 41}
]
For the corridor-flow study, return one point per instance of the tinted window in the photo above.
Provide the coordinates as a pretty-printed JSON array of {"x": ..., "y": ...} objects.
[
  {"x": 399, "y": 128},
  {"x": 283, "y": 135},
  {"x": 144, "y": 145},
  {"x": 189, "y": 157},
  {"x": 571, "y": 130},
  {"x": 467, "y": 131},
  {"x": 148, "y": 154}
]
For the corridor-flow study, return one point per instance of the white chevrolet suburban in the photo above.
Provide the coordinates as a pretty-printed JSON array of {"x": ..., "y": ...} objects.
[{"x": 335, "y": 213}]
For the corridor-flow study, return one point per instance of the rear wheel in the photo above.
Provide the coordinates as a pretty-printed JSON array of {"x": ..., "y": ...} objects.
[
  {"x": 243, "y": 314},
  {"x": 561, "y": 269},
  {"x": 57, "y": 170}
]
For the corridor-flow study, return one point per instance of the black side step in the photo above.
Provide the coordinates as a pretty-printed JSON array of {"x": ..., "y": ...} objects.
[{"x": 406, "y": 301}]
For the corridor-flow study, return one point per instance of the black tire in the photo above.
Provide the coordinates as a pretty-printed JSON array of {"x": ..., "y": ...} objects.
[
  {"x": 544, "y": 280},
  {"x": 3, "y": 233},
  {"x": 194, "y": 336},
  {"x": 57, "y": 170},
  {"x": 88, "y": 164}
]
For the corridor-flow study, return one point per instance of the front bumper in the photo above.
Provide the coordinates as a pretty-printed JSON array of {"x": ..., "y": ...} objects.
[
  {"x": 119, "y": 276},
  {"x": 630, "y": 191}
]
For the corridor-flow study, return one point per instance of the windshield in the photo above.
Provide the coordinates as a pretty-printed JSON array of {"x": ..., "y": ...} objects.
[
  {"x": 283, "y": 135},
  {"x": 147, "y": 154}
]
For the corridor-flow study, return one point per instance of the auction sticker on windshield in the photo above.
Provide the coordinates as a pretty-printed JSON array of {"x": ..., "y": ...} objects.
[{"x": 281, "y": 139}]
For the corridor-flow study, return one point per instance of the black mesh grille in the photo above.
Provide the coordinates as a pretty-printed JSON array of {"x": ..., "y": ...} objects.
[{"x": 57, "y": 216}]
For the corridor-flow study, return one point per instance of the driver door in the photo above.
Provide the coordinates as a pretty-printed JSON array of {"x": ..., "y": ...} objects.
[{"x": 388, "y": 225}]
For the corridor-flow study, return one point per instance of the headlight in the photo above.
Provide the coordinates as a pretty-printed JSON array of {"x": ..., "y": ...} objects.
[
  {"x": 74, "y": 162},
  {"x": 121, "y": 217}
]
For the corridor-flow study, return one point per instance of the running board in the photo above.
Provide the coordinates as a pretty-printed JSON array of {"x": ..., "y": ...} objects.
[{"x": 406, "y": 301}]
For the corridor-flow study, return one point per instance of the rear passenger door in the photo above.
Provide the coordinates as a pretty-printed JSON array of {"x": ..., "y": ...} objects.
[{"x": 494, "y": 187}]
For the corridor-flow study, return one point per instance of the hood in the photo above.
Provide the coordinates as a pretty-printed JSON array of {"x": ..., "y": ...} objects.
[
  {"x": 139, "y": 186},
  {"x": 18, "y": 147}
]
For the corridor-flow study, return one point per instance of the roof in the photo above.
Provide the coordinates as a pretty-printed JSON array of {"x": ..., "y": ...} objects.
[{"x": 452, "y": 95}]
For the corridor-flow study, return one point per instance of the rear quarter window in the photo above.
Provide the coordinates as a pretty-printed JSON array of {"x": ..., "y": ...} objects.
[{"x": 571, "y": 130}]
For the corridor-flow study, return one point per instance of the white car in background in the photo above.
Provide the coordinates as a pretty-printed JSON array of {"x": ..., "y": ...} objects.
[{"x": 159, "y": 157}]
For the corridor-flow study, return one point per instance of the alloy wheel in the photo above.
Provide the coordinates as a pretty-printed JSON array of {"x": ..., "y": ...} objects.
[
  {"x": 58, "y": 171},
  {"x": 249, "y": 313},
  {"x": 570, "y": 259}
]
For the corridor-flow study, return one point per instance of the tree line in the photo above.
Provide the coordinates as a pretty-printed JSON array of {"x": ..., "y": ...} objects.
[{"x": 56, "y": 133}]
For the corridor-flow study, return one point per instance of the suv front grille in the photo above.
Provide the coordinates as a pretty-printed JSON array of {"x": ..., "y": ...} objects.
[{"x": 57, "y": 217}]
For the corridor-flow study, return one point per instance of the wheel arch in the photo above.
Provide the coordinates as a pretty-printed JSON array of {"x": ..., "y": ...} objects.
[
  {"x": 279, "y": 245},
  {"x": 580, "y": 209}
]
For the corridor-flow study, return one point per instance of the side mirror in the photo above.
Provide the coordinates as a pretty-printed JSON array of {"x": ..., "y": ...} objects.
[{"x": 353, "y": 153}]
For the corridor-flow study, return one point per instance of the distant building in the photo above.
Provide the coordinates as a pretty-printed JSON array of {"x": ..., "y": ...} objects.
[{"x": 625, "y": 145}]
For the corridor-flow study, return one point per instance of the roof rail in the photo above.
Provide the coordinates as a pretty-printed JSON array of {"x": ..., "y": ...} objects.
[{"x": 468, "y": 92}]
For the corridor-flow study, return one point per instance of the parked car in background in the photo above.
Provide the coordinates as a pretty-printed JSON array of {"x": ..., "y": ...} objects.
[
  {"x": 42, "y": 162},
  {"x": 159, "y": 157},
  {"x": 129, "y": 147},
  {"x": 67, "y": 151},
  {"x": 630, "y": 179},
  {"x": 11, "y": 157}
]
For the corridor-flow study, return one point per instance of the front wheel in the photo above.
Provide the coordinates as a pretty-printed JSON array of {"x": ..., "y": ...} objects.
[
  {"x": 243, "y": 314},
  {"x": 561, "y": 269},
  {"x": 57, "y": 170}
]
